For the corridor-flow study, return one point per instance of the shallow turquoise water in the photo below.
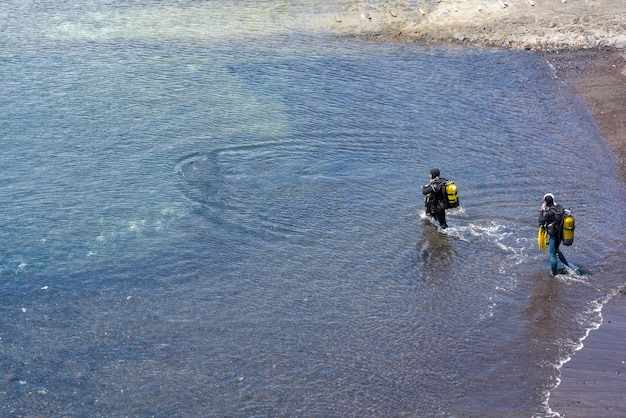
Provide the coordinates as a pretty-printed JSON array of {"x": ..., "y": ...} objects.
[{"x": 228, "y": 222}]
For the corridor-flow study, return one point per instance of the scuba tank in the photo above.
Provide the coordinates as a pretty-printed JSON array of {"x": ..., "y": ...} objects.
[
  {"x": 451, "y": 194},
  {"x": 568, "y": 228}
]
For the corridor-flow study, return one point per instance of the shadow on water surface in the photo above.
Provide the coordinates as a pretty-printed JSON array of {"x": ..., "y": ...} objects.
[{"x": 435, "y": 250}]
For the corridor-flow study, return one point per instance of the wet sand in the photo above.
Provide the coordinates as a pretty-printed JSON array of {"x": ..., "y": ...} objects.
[
  {"x": 599, "y": 78},
  {"x": 593, "y": 383},
  {"x": 585, "y": 41}
]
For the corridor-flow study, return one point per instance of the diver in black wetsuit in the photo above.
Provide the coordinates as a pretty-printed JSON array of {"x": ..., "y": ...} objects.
[
  {"x": 435, "y": 203},
  {"x": 547, "y": 218}
]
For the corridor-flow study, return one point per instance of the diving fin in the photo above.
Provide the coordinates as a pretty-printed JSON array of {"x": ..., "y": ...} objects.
[{"x": 542, "y": 237}]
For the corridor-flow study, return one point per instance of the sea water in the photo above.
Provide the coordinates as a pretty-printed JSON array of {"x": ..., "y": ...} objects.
[{"x": 208, "y": 211}]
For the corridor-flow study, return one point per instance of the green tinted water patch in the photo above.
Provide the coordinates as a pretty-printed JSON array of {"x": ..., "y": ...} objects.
[
  {"x": 114, "y": 120},
  {"x": 180, "y": 95},
  {"x": 188, "y": 22},
  {"x": 153, "y": 107}
]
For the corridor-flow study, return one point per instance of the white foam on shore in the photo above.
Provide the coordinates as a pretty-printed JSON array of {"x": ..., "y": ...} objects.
[{"x": 595, "y": 308}]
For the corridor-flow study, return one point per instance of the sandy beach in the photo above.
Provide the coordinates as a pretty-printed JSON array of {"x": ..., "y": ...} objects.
[{"x": 585, "y": 41}]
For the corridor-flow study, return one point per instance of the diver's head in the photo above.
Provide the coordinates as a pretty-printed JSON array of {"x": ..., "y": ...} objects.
[{"x": 549, "y": 199}]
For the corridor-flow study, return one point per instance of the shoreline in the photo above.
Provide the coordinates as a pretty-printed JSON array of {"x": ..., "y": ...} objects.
[
  {"x": 592, "y": 382},
  {"x": 599, "y": 78},
  {"x": 514, "y": 24},
  {"x": 585, "y": 42}
]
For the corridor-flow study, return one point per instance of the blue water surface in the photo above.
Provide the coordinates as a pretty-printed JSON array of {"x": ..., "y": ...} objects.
[{"x": 218, "y": 224}]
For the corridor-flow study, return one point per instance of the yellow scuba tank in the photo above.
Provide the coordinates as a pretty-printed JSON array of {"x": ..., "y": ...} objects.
[
  {"x": 542, "y": 238},
  {"x": 568, "y": 228},
  {"x": 451, "y": 193}
]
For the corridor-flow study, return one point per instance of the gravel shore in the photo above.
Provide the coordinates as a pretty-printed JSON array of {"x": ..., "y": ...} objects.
[{"x": 522, "y": 24}]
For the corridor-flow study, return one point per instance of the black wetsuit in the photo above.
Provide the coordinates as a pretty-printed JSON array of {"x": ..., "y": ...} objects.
[{"x": 435, "y": 205}]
